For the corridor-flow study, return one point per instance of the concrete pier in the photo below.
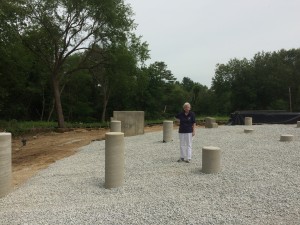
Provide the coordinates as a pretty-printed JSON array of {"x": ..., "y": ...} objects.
[
  {"x": 211, "y": 159},
  {"x": 210, "y": 122},
  {"x": 5, "y": 164},
  {"x": 212, "y": 125},
  {"x": 248, "y": 130},
  {"x": 114, "y": 159},
  {"x": 286, "y": 137},
  {"x": 248, "y": 121},
  {"x": 115, "y": 126},
  {"x": 167, "y": 131}
]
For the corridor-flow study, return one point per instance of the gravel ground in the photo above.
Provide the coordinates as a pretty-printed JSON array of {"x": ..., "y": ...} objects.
[{"x": 259, "y": 183}]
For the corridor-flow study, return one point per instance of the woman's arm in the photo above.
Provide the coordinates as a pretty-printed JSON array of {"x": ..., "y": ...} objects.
[{"x": 194, "y": 127}]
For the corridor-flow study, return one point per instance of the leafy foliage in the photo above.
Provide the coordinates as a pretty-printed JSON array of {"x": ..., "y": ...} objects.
[
  {"x": 82, "y": 60},
  {"x": 261, "y": 83}
]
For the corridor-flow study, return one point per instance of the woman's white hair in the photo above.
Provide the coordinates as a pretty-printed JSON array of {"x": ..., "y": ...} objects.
[{"x": 187, "y": 104}]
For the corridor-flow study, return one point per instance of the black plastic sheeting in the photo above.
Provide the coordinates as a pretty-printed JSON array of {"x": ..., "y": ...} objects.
[{"x": 264, "y": 117}]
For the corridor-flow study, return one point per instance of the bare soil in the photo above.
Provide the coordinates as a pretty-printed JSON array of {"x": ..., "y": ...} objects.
[{"x": 42, "y": 149}]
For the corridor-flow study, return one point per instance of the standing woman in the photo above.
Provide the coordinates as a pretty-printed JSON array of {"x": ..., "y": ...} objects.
[{"x": 186, "y": 131}]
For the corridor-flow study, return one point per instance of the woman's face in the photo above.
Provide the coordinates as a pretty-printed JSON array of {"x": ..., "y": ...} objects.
[{"x": 187, "y": 108}]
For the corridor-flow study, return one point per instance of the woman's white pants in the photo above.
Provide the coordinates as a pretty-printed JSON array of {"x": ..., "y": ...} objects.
[{"x": 185, "y": 145}]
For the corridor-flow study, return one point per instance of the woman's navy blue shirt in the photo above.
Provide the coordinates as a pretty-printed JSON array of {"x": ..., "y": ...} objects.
[{"x": 186, "y": 122}]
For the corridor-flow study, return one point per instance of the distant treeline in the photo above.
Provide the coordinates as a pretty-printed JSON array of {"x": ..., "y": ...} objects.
[
  {"x": 61, "y": 60},
  {"x": 269, "y": 81}
]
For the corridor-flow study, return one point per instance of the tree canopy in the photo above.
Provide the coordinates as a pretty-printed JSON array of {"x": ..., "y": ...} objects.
[
  {"x": 82, "y": 60},
  {"x": 261, "y": 83},
  {"x": 53, "y": 30}
]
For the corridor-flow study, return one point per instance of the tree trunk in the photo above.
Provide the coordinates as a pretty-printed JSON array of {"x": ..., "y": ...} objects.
[
  {"x": 51, "y": 110},
  {"x": 58, "y": 107},
  {"x": 105, "y": 101},
  {"x": 103, "y": 111},
  {"x": 43, "y": 104}
]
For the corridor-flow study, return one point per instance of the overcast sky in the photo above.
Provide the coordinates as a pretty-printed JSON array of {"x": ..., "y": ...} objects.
[{"x": 192, "y": 36}]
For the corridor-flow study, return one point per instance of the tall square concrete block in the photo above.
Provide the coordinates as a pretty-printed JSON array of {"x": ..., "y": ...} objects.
[{"x": 132, "y": 122}]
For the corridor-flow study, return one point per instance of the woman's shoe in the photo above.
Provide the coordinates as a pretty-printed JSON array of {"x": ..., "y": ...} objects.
[{"x": 180, "y": 160}]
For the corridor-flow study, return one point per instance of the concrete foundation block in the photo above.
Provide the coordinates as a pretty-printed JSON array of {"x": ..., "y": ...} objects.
[
  {"x": 298, "y": 123},
  {"x": 286, "y": 137},
  {"x": 210, "y": 122},
  {"x": 114, "y": 159},
  {"x": 132, "y": 122},
  {"x": 211, "y": 125},
  {"x": 211, "y": 159},
  {"x": 214, "y": 125},
  {"x": 248, "y": 130},
  {"x": 167, "y": 131},
  {"x": 115, "y": 126},
  {"x": 248, "y": 121},
  {"x": 5, "y": 164}
]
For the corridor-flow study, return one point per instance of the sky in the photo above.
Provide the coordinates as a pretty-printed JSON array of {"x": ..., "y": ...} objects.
[{"x": 193, "y": 36}]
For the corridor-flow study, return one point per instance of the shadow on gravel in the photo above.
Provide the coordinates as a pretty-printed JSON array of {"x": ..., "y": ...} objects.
[
  {"x": 197, "y": 171},
  {"x": 99, "y": 183}
]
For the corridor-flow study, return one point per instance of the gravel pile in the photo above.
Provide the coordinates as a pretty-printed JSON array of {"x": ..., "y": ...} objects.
[{"x": 259, "y": 183}]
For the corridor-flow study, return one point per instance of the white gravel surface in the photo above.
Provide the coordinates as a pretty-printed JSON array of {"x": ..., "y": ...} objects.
[{"x": 259, "y": 183}]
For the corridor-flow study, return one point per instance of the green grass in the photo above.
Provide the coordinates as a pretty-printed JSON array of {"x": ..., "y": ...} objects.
[
  {"x": 18, "y": 128},
  {"x": 199, "y": 119},
  {"x": 218, "y": 118}
]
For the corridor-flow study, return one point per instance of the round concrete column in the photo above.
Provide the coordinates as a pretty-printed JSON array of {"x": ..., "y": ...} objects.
[
  {"x": 248, "y": 121},
  {"x": 114, "y": 159},
  {"x": 211, "y": 159},
  {"x": 286, "y": 137},
  {"x": 214, "y": 125},
  {"x": 167, "y": 131},
  {"x": 248, "y": 130},
  {"x": 210, "y": 122},
  {"x": 5, "y": 163},
  {"x": 115, "y": 126},
  {"x": 298, "y": 123}
]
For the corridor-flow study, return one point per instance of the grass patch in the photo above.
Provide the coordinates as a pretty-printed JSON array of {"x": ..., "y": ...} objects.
[{"x": 18, "y": 128}]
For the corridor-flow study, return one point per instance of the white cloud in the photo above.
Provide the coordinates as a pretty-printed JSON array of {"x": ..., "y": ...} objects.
[{"x": 192, "y": 36}]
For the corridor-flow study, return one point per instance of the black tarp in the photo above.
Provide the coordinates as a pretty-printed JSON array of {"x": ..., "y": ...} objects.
[{"x": 264, "y": 117}]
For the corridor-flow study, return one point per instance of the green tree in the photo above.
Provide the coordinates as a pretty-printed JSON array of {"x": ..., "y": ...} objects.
[
  {"x": 231, "y": 86},
  {"x": 262, "y": 83},
  {"x": 22, "y": 82},
  {"x": 113, "y": 70},
  {"x": 158, "y": 82},
  {"x": 187, "y": 84},
  {"x": 54, "y": 30}
]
